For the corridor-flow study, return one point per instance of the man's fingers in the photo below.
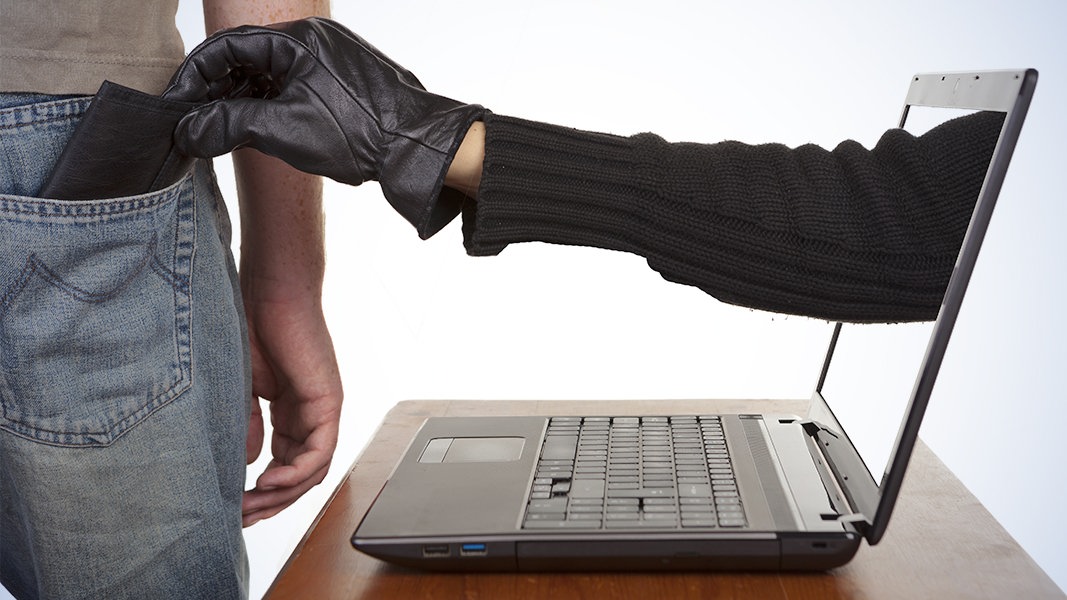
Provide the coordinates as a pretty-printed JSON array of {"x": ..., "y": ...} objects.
[
  {"x": 259, "y": 504},
  {"x": 295, "y": 469},
  {"x": 254, "y": 441}
]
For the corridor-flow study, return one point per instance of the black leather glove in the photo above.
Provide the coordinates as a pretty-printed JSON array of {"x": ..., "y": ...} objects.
[{"x": 322, "y": 99}]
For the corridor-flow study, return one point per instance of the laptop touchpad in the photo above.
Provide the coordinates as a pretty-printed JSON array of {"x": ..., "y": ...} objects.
[{"x": 473, "y": 449}]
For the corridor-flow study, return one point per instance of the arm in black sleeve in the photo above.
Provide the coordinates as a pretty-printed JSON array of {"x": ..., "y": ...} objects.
[{"x": 849, "y": 234}]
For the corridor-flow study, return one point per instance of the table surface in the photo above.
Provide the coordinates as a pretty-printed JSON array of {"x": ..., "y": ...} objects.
[{"x": 941, "y": 542}]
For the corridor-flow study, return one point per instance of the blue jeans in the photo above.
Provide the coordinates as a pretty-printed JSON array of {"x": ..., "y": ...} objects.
[{"x": 124, "y": 381}]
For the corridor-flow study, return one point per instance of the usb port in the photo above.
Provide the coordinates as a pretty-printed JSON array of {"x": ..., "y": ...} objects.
[
  {"x": 472, "y": 549},
  {"x": 436, "y": 550}
]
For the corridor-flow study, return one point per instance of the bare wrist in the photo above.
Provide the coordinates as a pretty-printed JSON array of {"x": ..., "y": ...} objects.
[{"x": 465, "y": 172}]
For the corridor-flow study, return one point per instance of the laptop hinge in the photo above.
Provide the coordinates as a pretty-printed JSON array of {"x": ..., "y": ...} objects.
[{"x": 852, "y": 493}]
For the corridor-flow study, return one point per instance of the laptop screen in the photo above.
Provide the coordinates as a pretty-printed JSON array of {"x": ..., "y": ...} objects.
[
  {"x": 870, "y": 379},
  {"x": 878, "y": 377}
]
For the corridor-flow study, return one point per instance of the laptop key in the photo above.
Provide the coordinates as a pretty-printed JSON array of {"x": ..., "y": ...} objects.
[
  {"x": 612, "y": 524},
  {"x": 687, "y": 517},
  {"x": 561, "y": 524},
  {"x": 554, "y": 463},
  {"x": 559, "y": 447},
  {"x": 552, "y": 505},
  {"x": 661, "y": 508},
  {"x": 695, "y": 489},
  {"x": 699, "y": 523},
  {"x": 697, "y": 509},
  {"x": 642, "y": 493},
  {"x": 586, "y": 508},
  {"x": 587, "y": 488},
  {"x": 547, "y": 516},
  {"x": 670, "y": 516},
  {"x": 586, "y": 517}
]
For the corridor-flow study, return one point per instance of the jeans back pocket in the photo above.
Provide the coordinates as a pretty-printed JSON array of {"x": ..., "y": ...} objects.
[{"x": 94, "y": 312}]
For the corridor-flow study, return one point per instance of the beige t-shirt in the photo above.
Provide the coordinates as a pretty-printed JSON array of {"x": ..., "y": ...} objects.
[{"x": 72, "y": 46}]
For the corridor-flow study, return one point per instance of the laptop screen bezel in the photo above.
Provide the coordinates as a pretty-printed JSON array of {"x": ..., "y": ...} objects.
[{"x": 1009, "y": 92}]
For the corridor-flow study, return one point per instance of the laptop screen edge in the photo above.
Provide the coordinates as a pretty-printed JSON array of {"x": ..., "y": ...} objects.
[{"x": 932, "y": 90}]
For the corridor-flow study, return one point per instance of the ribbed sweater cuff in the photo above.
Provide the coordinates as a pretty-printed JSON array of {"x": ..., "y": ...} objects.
[{"x": 554, "y": 184}]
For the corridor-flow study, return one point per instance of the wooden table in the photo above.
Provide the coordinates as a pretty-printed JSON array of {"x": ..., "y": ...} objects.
[{"x": 941, "y": 543}]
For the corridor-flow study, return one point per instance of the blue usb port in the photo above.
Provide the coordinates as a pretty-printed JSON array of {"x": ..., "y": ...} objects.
[{"x": 472, "y": 550}]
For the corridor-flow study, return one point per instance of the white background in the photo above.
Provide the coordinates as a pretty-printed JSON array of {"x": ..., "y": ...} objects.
[
  {"x": 421, "y": 320},
  {"x": 418, "y": 319}
]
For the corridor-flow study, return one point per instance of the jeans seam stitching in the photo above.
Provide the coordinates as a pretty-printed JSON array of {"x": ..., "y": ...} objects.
[{"x": 61, "y": 209}]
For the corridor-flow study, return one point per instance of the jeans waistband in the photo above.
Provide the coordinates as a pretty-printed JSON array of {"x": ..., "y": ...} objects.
[{"x": 21, "y": 109}]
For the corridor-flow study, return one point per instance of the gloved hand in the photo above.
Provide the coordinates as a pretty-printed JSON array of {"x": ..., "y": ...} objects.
[{"x": 322, "y": 99}]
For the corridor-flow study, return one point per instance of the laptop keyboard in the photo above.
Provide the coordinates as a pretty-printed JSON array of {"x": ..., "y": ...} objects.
[{"x": 634, "y": 473}]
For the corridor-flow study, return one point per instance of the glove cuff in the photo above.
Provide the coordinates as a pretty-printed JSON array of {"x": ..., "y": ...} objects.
[{"x": 413, "y": 174}]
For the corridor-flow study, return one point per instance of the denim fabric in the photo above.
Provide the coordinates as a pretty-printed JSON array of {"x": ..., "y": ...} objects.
[{"x": 124, "y": 381}]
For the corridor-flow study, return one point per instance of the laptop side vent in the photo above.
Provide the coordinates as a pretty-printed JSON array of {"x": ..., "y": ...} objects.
[{"x": 768, "y": 475}]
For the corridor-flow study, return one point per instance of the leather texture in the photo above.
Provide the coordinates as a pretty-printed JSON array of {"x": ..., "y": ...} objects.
[
  {"x": 324, "y": 100},
  {"x": 123, "y": 146}
]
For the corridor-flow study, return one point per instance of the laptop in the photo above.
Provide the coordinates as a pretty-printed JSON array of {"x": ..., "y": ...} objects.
[{"x": 699, "y": 491}]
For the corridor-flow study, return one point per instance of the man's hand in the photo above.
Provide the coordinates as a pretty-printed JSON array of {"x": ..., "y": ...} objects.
[
  {"x": 283, "y": 262},
  {"x": 294, "y": 369}
]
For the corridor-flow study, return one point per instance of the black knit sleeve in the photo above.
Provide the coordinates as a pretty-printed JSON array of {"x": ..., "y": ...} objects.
[{"x": 849, "y": 234}]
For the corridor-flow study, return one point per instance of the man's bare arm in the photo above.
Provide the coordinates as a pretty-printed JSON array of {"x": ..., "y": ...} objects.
[{"x": 282, "y": 267}]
